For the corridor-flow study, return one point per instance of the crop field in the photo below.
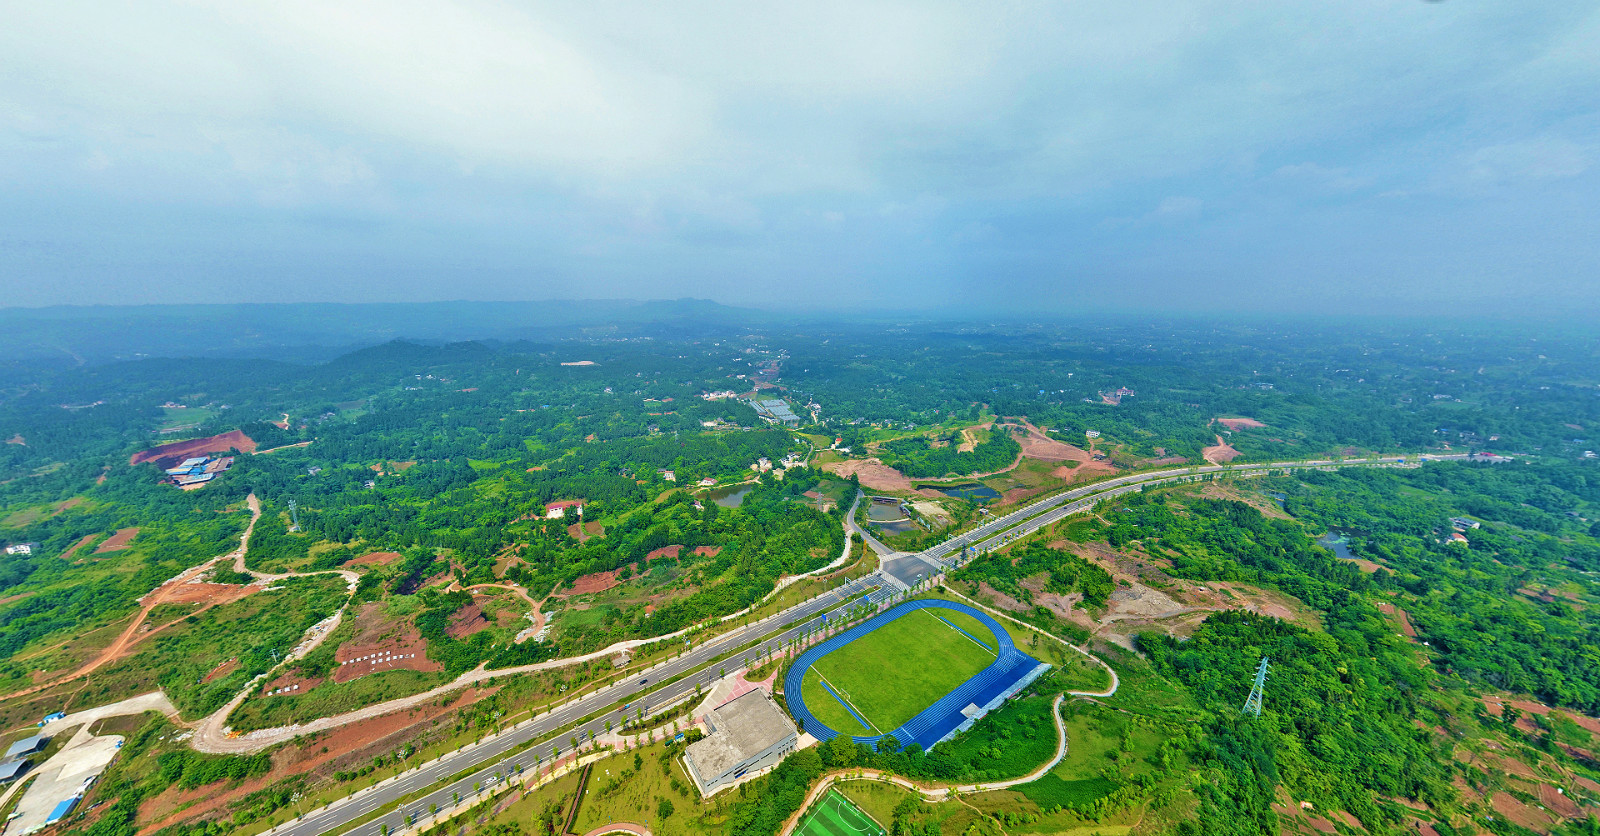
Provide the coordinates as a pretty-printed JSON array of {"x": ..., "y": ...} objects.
[{"x": 893, "y": 673}]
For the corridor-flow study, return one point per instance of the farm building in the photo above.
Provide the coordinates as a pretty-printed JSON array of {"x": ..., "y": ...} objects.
[
  {"x": 558, "y": 510},
  {"x": 26, "y": 746},
  {"x": 777, "y": 411},
  {"x": 12, "y": 770}
]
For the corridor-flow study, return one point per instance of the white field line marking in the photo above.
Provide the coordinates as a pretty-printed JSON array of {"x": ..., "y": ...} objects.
[
  {"x": 964, "y": 634},
  {"x": 846, "y": 697},
  {"x": 841, "y": 807}
]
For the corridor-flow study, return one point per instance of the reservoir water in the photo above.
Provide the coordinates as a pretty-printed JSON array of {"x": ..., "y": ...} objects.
[
  {"x": 731, "y": 496},
  {"x": 974, "y": 492}
]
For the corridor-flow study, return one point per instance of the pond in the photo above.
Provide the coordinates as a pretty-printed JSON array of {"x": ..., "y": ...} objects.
[
  {"x": 899, "y": 527},
  {"x": 882, "y": 512},
  {"x": 1337, "y": 543},
  {"x": 974, "y": 492},
  {"x": 731, "y": 496}
]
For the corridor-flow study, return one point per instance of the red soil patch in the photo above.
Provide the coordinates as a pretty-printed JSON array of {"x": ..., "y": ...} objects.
[
  {"x": 589, "y": 529},
  {"x": 1240, "y": 423},
  {"x": 235, "y": 440},
  {"x": 1495, "y": 707},
  {"x": 707, "y": 551},
  {"x": 1400, "y": 615},
  {"x": 353, "y": 744},
  {"x": 120, "y": 540},
  {"x": 72, "y": 549},
  {"x": 1588, "y": 723},
  {"x": 1164, "y": 461},
  {"x": 208, "y": 593},
  {"x": 466, "y": 621},
  {"x": 873, "y": 474},
  {"x": 1520, "y": 814},
  {"x": 1558, "y": 803},
  {"x": 1039, "y": 446},
  {"x": 1405, "y": 623},
  {"x": 376, "y": 559},
  {"x": 588, "y": 584},
  {"x": 222, "y": 670},
  {"x": 667, "y": 552},
  {"x": 17, "y": 439},
  {"x": 1220, "y": 453},
  {"x": 382, "y": 646},
  {"x": 1016, "y": 496},
  {"x": 1578, "y": 754},
  {"x": 288, "y": 685}
]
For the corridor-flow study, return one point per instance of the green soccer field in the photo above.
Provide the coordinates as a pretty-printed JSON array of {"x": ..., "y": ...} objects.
[
  {"x": 834, "y": 815},
  {"x": 894, "y": 672},
  {"x": 829, "y": 710}
]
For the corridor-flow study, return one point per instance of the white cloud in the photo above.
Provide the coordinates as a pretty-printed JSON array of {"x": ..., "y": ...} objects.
[
  {"x": 637, "y": 130},
  {"x": 1530, "y": 159},
  {"x": 1179, "y": 206}
]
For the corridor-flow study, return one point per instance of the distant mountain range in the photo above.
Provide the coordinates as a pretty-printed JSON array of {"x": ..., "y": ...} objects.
[{"x": 313, "y": 332}]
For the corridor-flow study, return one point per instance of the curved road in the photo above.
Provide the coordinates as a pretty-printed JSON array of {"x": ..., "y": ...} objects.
[{"x": 700, "y": 665}]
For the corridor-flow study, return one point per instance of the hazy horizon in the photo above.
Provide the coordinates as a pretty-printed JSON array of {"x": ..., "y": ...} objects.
[{"x": 1348, "y": 159}]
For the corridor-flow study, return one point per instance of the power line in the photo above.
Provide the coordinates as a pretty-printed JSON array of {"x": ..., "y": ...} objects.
[{"x": 1252, "y": 706}]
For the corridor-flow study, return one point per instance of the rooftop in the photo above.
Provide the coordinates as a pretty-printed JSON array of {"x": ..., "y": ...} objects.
[
  {"x": 26, "y": 746},
  {"x": 11, "y": 769},
  {"x": 744, "y": 728}
]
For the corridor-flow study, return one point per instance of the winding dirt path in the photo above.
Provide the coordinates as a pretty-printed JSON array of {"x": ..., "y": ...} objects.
[{"x": 162, "y": 594}]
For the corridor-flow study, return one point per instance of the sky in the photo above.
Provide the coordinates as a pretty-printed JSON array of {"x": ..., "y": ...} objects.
[{"x": 1348, "y": 157}]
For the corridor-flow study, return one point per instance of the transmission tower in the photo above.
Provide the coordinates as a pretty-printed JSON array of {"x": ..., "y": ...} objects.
[
  {"x": 294, "y": 517},
  {"x": 1252, "y": 706}
]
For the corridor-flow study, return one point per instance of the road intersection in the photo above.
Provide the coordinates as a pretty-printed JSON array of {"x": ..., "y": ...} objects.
[{"x": 586, "y": 717}]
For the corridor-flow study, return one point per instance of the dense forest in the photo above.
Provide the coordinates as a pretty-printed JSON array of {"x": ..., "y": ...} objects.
[
  {"x": 920, "y": 456},
  {"x": 432, "y": 477}
]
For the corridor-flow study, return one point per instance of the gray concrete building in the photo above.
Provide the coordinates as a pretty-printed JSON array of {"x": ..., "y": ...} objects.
[{"x": 747, "y": 734}]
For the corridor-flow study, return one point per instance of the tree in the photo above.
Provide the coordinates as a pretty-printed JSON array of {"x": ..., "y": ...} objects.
[{"x": 664, "y": 809}]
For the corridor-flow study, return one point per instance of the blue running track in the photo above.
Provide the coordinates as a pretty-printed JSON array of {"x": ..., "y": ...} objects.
[{"x": 938, "y": 720}]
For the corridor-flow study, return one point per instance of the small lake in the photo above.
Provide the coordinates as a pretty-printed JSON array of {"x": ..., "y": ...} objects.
[
  {"x": 1337, "y": 543},
  {"x": 880, "y": 512},
  {"x": 900, "y": 527},
  {"x": 974, "y": 492},
  {"x": 731, "y": 496}
]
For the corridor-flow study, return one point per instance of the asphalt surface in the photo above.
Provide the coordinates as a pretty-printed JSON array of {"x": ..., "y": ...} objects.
[
  {"x": 906, "y": 568},
  {"x": 492, "y": 751}
]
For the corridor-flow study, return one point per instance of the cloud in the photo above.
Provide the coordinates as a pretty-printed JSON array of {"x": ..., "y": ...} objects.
[
  {"x": 740, "y": 148},
  {"x": 1539, "y": 158},
  {"x": 1322, "y": 178}
]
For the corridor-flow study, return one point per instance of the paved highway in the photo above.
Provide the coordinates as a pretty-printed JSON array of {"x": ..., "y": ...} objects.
[
  {"x": 702, "y": 661},
  {"x": 1051, "y": 509},
  {"x": 492, "y": 751}
]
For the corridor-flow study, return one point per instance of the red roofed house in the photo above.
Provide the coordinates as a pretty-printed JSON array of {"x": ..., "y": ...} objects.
[{"x": 557, "y": 510}]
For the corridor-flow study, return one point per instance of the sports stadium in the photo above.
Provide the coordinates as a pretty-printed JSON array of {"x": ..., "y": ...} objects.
[{"x": 920, "y": 672}]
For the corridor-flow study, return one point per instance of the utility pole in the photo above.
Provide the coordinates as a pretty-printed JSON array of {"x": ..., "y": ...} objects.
[
  {"x": 294, "y": 517},
  {"x": 1252, "y": 706}
]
